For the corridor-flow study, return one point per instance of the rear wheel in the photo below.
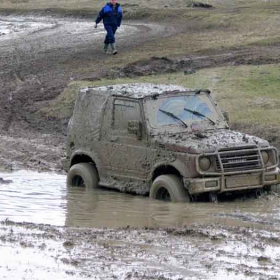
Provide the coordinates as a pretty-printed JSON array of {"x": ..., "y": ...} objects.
[
  {"x": 169, "y": 188},
  {"x": 83, "y": 175}
]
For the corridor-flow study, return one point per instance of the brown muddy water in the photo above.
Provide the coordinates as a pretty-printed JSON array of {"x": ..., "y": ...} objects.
[
  {"x": 44, "y": 198},
  {"x": 111, "y": 235}
]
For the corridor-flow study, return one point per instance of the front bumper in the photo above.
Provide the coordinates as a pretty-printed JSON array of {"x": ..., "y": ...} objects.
[{"x": 233, "y": 182}]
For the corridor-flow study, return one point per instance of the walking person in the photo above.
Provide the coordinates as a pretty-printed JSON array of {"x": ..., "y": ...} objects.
[{"x": 111, "y": 14}]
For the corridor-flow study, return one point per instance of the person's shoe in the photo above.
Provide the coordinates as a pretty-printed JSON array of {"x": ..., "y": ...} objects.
[
  {"x": 114, "y": 50},
  {"x": 105, "y": 48}
]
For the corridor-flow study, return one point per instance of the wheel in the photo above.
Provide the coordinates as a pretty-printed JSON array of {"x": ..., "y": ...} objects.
[
  {"x": 83, "y": 175},
  {"x": 169, "y": 188}
]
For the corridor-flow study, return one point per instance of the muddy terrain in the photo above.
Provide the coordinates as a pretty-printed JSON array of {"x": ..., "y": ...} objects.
[
  {"x": 40, "y": 55},
  {"x": 129, "y": 253}
]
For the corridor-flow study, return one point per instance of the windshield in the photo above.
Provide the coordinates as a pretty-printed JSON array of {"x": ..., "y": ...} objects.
[{"x": 185, "y": 109}]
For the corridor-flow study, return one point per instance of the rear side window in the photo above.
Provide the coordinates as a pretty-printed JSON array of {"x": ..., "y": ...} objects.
[{"x": 124, "y": 111}]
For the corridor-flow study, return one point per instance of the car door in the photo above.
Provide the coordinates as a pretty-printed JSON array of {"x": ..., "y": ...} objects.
[{"x": 124, "y": 154}]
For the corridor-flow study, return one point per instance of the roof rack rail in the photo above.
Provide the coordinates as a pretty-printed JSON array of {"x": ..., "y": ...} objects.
[{"x": 203, "y": 90}]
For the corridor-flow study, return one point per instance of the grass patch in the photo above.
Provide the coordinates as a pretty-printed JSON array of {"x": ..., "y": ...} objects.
[{"x": 249, "y": 93}]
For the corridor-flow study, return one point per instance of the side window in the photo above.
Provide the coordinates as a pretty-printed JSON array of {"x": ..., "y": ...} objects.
[{"x": 124, "y": 111}]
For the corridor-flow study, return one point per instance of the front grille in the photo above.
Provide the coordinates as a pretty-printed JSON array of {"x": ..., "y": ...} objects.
[{"x": 238, "y": 159}]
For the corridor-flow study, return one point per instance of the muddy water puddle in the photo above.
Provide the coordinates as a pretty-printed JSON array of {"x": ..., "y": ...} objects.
[
  {"x": 44, "y": 198},
  {"x": 21, "y": 26},
  {"x": 11, "y": 25}
]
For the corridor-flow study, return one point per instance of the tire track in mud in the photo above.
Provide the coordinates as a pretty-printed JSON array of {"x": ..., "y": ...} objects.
[
  {"x": 190, "y": 63},
  {"x": 43, "y": 152}
]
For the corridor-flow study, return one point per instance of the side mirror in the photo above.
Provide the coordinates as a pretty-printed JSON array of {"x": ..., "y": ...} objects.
[
  {"x": 226, "y": 116},
  {"x": 135, "y": 127}
]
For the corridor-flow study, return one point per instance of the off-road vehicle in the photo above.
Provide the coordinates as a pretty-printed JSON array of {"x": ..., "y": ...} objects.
[{"x": 163, "y": 140}]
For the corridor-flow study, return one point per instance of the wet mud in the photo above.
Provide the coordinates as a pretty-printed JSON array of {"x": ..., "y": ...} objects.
[{"x": 208, "y": 252}]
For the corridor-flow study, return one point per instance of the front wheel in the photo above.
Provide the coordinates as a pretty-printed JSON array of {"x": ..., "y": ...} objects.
[
  {"x": 169, "y": 188},
  {"x": 83, "y": 175}
]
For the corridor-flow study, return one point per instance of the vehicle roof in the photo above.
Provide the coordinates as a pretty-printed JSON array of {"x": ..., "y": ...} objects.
[{"x": 137, "y": 90}]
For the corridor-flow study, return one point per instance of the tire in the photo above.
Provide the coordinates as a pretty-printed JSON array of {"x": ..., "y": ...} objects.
[
  {"x": 83, "y": 175},
  {"x": 169, "y": 188}
]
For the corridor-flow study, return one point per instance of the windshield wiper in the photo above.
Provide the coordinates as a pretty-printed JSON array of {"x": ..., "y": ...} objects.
[
  {"x": 173, "y": 116},
  {"x": 199, "y": 114}
]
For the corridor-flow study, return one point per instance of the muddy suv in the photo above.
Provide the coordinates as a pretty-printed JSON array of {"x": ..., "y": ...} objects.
[{"x": 163, "y": 140}]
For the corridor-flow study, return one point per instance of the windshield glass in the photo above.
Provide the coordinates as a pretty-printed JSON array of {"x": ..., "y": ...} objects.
[{"x": 174, "y": 110}]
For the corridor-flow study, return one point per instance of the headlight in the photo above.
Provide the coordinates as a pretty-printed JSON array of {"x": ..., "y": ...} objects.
[
  {"x": 265, "y": 157},
  {"x": 204, "y": 163}
]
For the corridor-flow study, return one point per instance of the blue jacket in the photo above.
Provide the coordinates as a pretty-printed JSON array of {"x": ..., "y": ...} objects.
[{"x": 110, "y": 15}]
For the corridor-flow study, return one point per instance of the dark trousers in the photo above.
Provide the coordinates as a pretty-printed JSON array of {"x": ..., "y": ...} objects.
[{"x": 110, "y": 36}]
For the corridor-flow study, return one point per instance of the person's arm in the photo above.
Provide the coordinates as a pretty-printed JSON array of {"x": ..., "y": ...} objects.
[
  {"x": 99, "y": 17},
  {"x": 119, "y": 16}
]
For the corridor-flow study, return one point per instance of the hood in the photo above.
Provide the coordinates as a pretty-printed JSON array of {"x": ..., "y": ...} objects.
[{"x": 207, "y": 141}]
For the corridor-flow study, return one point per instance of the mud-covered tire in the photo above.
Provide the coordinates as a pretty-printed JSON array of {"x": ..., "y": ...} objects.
[
  {"x": 169, "y": 188},
  {"x": 83, "y": 175}
]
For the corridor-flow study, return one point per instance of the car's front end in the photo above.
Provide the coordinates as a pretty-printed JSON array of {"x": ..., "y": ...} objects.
[
  {"x": 208, "y": 155},
  {"x": 234, "y": 168}
]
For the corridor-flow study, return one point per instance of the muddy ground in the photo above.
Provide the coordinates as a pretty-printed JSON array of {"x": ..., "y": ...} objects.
[
  {"x": 127, "y": 253},
  {"x": 35, "y": 66}
]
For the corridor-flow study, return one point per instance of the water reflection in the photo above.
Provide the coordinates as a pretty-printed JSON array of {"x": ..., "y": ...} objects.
[
  {"x": 43, "y": 198},
  {"x": 33, "y": 197},
  {"x": 102, "y": 208}
]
